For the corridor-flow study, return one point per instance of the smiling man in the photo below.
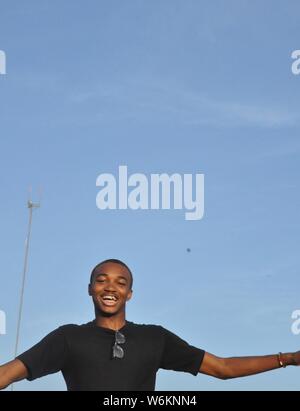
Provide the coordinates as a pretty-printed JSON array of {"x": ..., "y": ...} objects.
[{"x": 111, "y": 353}]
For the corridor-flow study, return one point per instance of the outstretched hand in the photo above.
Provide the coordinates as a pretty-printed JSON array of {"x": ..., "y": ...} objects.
[{"x": 297, "y": 357}]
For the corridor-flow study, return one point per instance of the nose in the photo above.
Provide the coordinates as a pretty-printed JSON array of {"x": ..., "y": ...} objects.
[{"x": 109, "y": 287}]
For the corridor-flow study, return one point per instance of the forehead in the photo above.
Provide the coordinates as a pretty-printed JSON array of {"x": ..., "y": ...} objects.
[{"x": 112, "y": 270}]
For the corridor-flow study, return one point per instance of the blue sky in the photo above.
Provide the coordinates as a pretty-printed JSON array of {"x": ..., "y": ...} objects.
[{"x": 160, "y": 86}]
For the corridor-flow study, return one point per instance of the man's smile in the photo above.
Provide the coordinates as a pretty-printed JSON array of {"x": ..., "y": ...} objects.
[{"x": 109, "y": 300}]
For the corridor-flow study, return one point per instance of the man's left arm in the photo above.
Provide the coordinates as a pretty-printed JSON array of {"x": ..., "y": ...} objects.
[{"x": 226, "y": 368}]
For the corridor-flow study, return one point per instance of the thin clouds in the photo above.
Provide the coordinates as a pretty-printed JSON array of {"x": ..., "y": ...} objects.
[
  {"x": 166, "y": 103},
  {"x": 159, "y": 102}
]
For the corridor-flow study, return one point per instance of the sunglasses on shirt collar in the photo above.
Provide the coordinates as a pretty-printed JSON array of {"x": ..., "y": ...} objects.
[{"x": 118, "y": 351}]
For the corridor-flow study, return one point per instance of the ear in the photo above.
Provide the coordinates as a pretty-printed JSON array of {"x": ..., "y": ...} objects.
[
  {"x": 129, "y": 295},
  {"x": 89, "y": 290}
]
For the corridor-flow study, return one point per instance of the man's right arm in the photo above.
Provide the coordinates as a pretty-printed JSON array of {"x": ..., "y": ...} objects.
[{"x": 12, "y": 371}]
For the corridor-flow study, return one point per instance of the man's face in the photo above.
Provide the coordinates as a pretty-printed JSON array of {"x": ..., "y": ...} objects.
[{"x": 110, "y": 288}]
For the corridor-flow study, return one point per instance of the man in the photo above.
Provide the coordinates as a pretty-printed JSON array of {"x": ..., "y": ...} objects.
[{"x": 111, "y": 353}]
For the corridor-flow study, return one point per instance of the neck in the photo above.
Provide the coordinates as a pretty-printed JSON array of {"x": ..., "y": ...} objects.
[{"x": 115, "y": 322}]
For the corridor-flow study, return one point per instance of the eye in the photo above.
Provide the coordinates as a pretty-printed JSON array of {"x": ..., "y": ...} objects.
[{"x": 100, "y": 281}]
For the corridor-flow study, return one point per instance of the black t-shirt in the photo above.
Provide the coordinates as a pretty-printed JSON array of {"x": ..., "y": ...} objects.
[{"x": 83, "y": 353}]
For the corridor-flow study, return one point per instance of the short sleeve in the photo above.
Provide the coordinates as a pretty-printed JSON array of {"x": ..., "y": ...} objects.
[
  {"x": 46, "y": 357},
  {"x": 178, "y": 355}
]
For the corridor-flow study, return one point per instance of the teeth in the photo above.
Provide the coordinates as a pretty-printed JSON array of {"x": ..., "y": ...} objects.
[{"x": 109, "y": 297}]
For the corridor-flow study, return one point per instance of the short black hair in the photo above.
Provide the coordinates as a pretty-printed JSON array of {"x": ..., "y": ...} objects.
[{"x": 116, "y": 261}]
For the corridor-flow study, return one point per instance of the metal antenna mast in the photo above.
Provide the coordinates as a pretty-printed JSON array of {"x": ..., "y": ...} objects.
[{"x": 31, "y": 206}]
